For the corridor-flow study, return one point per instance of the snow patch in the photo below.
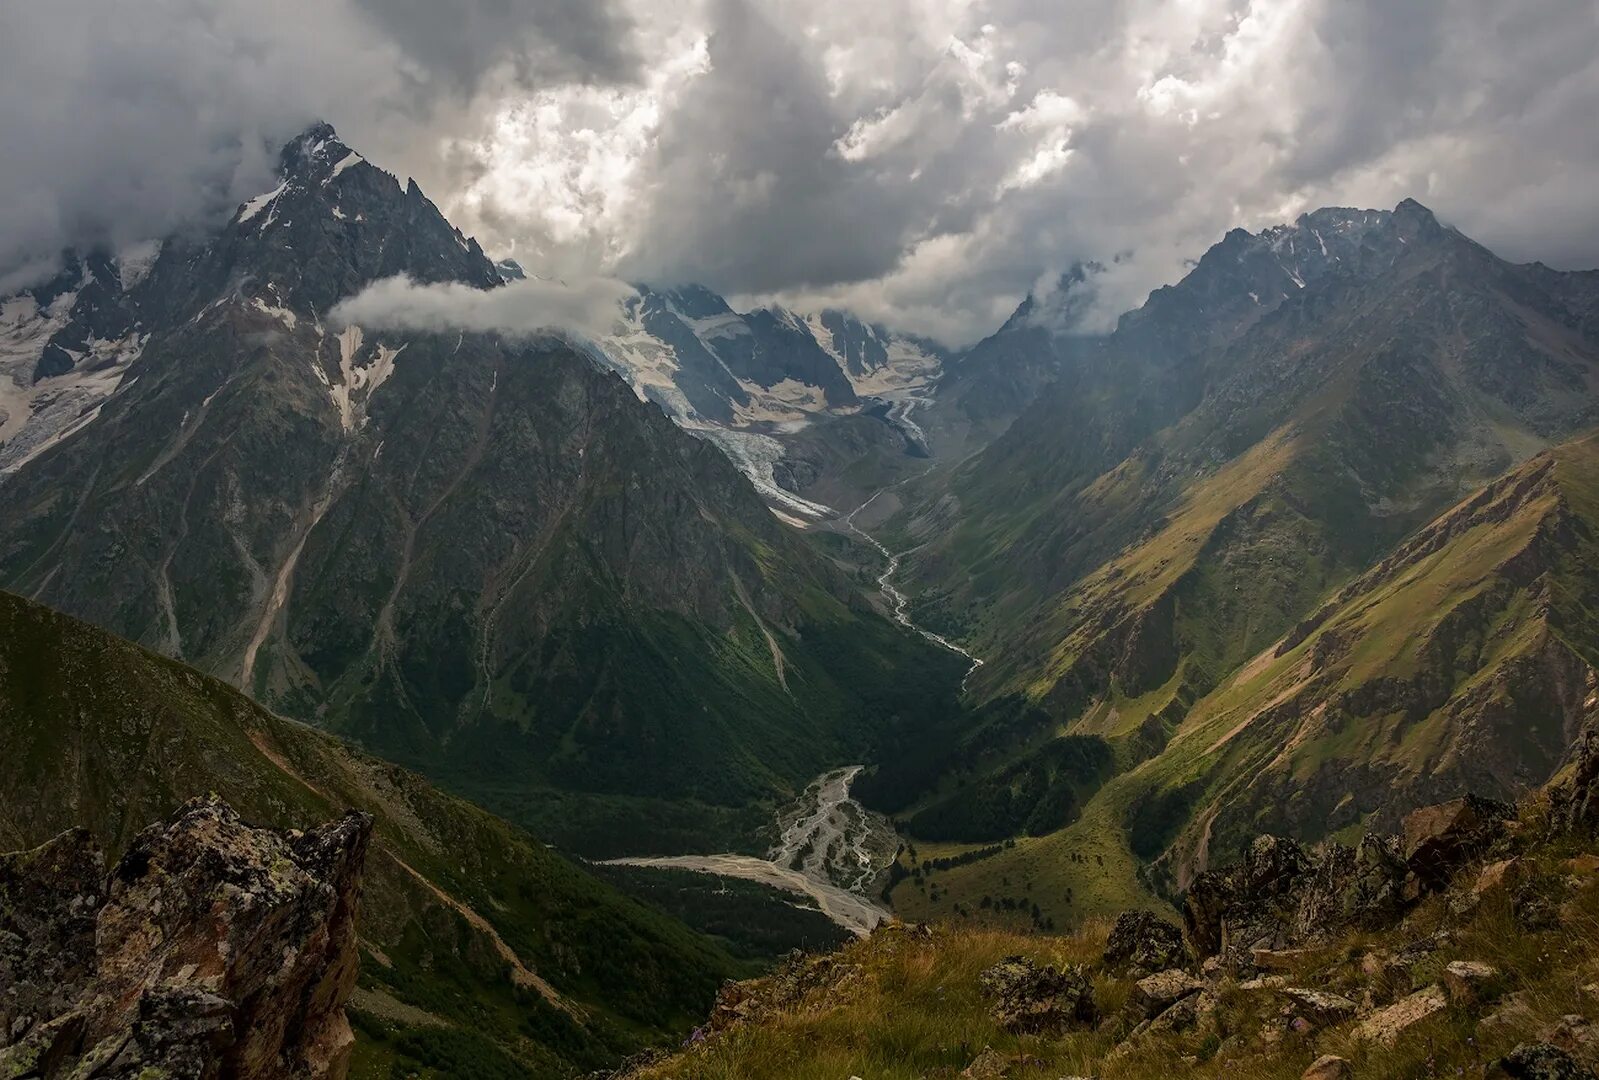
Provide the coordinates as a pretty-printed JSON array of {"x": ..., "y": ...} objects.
[
  {"x": 352, "y": 158},
  {"x": 282, "y": 314},
  {"x": 260, "y": 203},
  {"x": 353, "y": 393}
]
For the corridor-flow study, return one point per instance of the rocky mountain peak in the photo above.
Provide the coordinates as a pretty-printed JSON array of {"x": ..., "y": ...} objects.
[
  {"x": 214, "y": 948},
  {"x": 314, "y": 153}
]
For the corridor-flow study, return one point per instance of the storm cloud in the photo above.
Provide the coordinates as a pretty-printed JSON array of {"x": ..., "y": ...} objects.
[{"x": 925, "y": 162}]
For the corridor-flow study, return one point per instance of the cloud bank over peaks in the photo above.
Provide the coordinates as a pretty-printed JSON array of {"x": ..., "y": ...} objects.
[{"x": 921, "y": 162}]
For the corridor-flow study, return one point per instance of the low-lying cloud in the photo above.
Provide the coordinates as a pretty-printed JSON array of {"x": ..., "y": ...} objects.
[{"x": 587, "y": 308}]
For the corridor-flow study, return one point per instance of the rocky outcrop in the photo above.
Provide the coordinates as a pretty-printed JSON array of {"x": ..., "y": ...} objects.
[
  {"x": 1142, "y": 943},
  {"x": 212, "y": 949},
  {"x": 1281, "y": 896},
  {"x": 1029, "y": 999}
]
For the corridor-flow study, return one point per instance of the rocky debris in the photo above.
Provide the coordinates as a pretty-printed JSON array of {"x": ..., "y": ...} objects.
[
  {"x": 1328, "y": 1067},
  {"x": 1539, "y": 1061},
  {"x": 1322, "y": 1008},
  {"x": 1154, "y": 994},
  {"x": 1142, "y": 943},
  {"x": 989, "y": 1065},
  {"x": 1583, "y": 865},
  {"x": 1387, "y": 977},
  {"x": 1029, "y": 999},
  {"x": 214, "y": 948},
  {"x": 1469, "y": 981},
  {"x": 1264, "y": 982},
  {"x": 1574, "y": 804},
  {"x": 1385, "y": 1026},
  {"x": 1265, "y": 910},
  {"x": 1439, "y": 840}
]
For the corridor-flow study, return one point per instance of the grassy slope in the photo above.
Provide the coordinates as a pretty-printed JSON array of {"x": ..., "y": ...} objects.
[
  {"x": 1455, "y": 662},
  {"x": 95, "y": 731},
  {"x": 912, "y": 1007}
]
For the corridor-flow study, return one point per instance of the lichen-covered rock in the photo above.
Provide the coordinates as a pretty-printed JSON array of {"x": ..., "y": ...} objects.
[
  {"x": 1328, "y": 1067},
  {"x": 1154, "y": 994},
  {"x": 1539, "y": 1061},
  {"x": 1386, "y": 1026},
  {"x": 1322, "y": 1008},
  {"x": 1361, "y": 887},
  {"x": 1248, "y": 906},
  {"x": 1577, "y": 1036},
  {"x": 1142, "y": 943},
  {"x": 797, "y": 978},
  {"x": 213, "y": 949},
  {"x": 1039, "y": 1000},
  {"x": 1469, "y": 981}
]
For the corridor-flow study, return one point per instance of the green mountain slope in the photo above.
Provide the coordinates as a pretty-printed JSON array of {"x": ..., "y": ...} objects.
[
  {"x": 1463, "y": 660},
  {"x": 1237, "y": 452},
  {"x": 483, "y": 952}
]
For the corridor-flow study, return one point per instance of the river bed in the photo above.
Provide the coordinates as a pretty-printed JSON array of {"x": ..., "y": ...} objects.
[{"x": 830, "y": 848}]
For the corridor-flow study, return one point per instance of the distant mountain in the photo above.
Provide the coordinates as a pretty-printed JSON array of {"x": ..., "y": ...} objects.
[
  {"x": 483, "y": 953},
  {"x": 985, "y": 387},
  {"x": 484, "y": 558},
  {"x": 795, "y": 400},
  {"x": 1145, "y": 538}
]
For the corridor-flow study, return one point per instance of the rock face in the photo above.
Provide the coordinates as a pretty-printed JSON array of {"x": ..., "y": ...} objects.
[
  {"x": 1029, "y": 999},
  {"x": 213, "y": 949}
]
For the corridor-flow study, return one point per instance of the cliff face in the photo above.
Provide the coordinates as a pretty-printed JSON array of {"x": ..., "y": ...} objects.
[{"x": 212, "y": 949}]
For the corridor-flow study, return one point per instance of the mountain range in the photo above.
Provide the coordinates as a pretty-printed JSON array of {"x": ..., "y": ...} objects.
[{"x": 1307, "y": 540}]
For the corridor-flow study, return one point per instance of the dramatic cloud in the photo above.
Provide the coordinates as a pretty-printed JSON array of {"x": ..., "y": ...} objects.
[
  {"x": 587, "y": 307},
  {"x": 122, "y": 121},
  {"x": 925, "y": 162}
]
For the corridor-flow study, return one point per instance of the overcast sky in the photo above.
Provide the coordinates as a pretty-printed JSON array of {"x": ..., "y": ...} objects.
[{"x": 922, "y": 161}]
